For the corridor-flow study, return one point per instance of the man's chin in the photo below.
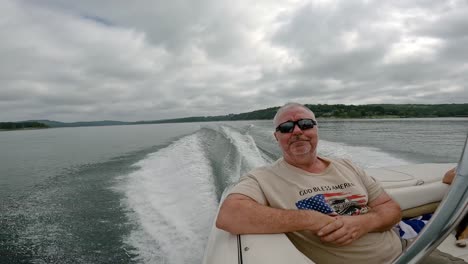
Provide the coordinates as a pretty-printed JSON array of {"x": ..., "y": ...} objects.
[
  {"x": 300, "y": 151},
  {"x": 299, "y": 146}
]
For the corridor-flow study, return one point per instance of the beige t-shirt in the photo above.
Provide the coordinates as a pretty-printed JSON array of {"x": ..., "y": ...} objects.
[{"x": 341, "y": 189}]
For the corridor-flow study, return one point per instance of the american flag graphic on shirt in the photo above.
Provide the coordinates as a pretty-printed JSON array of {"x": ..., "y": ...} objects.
[{"x": 335, "y": 203}]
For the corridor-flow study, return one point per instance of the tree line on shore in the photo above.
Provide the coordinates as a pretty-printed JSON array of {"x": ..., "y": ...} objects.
[
  {"x": 22, "y": 125},
  {"x": 320, "y": 110},
  {"x": 343, "y": 111}
]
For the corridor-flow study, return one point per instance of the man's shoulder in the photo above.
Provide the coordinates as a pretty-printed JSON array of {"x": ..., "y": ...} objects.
[
  {"x": 343, "y": 163},
  {"x": 265, "y": 170},
  {"x": 349, "y": 163}
]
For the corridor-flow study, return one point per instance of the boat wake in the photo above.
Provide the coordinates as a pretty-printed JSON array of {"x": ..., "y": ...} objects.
[
  {"x": 173, "y": 195},
  {"x": 366, "y": 157}
]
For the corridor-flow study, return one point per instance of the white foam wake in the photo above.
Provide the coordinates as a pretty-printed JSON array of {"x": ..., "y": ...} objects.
[
  {"x": 366, "y": 157},
  {"x": 251, "y": 156},
  {"x": 172, "y": 200}
]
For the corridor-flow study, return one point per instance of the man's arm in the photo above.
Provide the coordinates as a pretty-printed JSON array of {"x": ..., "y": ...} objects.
[
  {"x": 240, "y": 214},
  {"x": 449, "y": 175},
  {"x": 384, "y": 214}
]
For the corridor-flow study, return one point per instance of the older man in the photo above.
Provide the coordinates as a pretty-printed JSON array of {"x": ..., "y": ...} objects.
[{"x": 330, "y": 209}]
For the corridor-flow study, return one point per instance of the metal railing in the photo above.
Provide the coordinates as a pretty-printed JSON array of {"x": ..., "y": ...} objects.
[{"x": 450, "y": 212}]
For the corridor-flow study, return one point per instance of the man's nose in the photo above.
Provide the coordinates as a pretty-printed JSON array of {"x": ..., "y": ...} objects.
[{"x": 296, "y": 130}]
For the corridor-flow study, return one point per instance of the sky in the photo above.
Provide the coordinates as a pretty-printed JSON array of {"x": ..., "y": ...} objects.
[{"x": 147, "y": 60}]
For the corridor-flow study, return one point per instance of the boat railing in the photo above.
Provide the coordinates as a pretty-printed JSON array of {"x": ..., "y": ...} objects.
[{"x": 447, "y": 216}]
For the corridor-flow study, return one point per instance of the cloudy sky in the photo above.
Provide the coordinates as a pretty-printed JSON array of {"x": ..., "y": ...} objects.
[{"x": 146, "y": 60}]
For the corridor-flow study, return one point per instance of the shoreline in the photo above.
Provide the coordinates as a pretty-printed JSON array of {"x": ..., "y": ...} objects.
[
  {"x": 26, "y": 128},
  {"x": 67, "y": 125}
]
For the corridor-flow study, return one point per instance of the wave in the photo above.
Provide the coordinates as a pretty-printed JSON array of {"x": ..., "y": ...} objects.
[
  {"x": 173, "y": 200},
  {"x": 173, "y": 195},
  {"x": 366, "y": 157}
]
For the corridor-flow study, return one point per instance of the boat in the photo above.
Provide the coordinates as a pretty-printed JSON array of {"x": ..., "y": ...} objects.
[{"x": 417, "y": 188}]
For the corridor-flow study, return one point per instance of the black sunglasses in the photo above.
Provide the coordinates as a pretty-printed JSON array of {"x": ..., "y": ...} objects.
[{"x": 303, "y": 124}]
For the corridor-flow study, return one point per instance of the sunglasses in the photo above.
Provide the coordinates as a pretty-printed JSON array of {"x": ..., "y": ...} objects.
[{"x": 303, "y": 124}]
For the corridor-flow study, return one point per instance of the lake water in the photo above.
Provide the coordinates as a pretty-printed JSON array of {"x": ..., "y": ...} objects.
[{"x": 148, "y": 193}]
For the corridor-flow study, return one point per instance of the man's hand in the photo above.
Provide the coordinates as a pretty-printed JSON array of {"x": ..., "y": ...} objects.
[
  {"x": 384, "y": 214},
  {"x": 322, "y": 221},
  {"x": 343, "y": 231}
]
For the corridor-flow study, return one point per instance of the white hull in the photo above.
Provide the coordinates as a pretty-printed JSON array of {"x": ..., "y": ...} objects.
[{"x": 417, "y": 188}]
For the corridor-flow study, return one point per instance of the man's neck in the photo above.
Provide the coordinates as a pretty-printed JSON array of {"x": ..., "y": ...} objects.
[{"x": 312, "y": 165}]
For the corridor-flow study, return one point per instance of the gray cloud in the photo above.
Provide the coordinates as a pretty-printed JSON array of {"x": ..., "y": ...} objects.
[{"x": 91, "y": 60}]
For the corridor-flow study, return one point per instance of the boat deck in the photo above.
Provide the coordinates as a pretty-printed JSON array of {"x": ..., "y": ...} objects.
[{"x": 448, "y": 246}]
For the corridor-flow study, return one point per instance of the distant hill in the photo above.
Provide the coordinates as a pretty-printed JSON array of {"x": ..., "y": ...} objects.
[
  {"x": 320, "y": 110},
  {"x": 341, "y": 111},
  {"x": 51, "y": 123},
  {"x": 22, "y": 125}
]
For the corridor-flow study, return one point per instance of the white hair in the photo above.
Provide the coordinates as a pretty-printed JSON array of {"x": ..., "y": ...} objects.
[{"x": 285, "y": 107}]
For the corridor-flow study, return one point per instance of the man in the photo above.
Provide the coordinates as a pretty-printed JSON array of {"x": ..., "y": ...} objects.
[{"x": 343, "y": 216}]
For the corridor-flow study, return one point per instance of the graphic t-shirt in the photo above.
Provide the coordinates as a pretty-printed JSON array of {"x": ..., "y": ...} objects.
[{"x": 341, "y": 189}]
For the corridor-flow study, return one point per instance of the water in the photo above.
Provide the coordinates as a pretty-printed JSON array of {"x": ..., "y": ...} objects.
[{"x": 148, "y": 193}]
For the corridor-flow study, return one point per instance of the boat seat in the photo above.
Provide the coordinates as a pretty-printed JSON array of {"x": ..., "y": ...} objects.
[{"x": 417, "y": 188}]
